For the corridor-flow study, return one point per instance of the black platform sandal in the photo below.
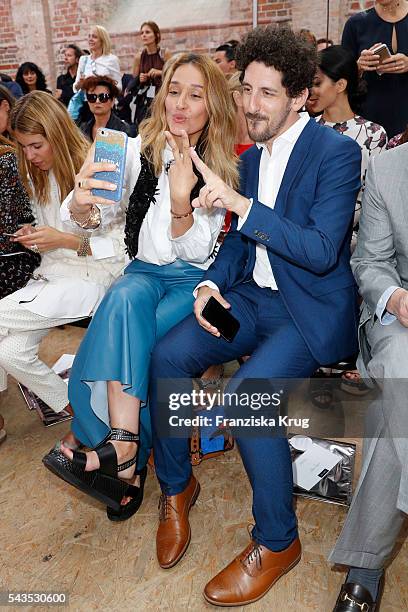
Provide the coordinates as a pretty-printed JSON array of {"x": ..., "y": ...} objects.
[
  {"x": 129, "y": 509},
  {"x": 103, "y": 484}
]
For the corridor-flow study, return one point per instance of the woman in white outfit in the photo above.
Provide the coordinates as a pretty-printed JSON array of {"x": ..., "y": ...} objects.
[
  {"x": 101, "y": 61},
  {"x": 76, "y": 267}
]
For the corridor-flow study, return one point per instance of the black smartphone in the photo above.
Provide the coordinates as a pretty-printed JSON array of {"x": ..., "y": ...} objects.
[{"x": 221, "y": 318}]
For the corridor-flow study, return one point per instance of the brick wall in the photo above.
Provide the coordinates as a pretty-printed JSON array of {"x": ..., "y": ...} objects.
[{"x": 28, "y": 33}]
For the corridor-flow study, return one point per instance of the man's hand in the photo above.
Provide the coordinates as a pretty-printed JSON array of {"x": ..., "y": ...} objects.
[
  {"x": 217, "y": 193},
  {"x": 398, "y": 306},
  {"x": 203, "y": 295}
]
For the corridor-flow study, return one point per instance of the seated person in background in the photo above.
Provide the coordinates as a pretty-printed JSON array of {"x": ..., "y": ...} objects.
[
  {"x": 171, "y": 245},
  {"x": 11, "y": 85},
  {"x": 337, "y": 93},
  {"x": 380, "y": 503},
  {"x": 224, "y": 57},
  {"x": 65, "y": 82},
  {"x": 16, "y": 262},
  {"x": 101, "y": 93},
  {"x": 308, "y": 36},
  {"x": 75, "y": 268},
  {"x": 323, "y": 43},
  {"x": 30, "y": 78}
]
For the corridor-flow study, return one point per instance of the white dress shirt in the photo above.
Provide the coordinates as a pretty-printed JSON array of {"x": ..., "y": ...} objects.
[{"x": 271, "y": 170}]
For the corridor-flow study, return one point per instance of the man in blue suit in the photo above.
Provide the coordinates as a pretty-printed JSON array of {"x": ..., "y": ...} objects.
[{"x": 284, "y": 273}]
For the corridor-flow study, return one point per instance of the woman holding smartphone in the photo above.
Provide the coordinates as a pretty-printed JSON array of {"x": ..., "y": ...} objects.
[
  {"x": 387, "y": 80},
  {"x": 75, "y": 268},
  {"x": 171, "y": 245}
]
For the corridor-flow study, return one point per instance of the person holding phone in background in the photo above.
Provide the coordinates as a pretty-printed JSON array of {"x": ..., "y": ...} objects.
[
  {"x": 16, "y": 262},
  {"x": 75, "y": 268},
  {"x": 171, "y": 245},
  {"x": 387, "y": 77}
]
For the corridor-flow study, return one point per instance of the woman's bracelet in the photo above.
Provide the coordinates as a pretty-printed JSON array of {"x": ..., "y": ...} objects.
[
  {"x": 92, "y": 221},
  {"x": 84, "y": 245},
  {"x": 178, "y": 216}
]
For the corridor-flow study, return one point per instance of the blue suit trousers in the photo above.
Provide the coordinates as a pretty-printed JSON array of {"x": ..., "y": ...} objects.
[{"x": 277, "y": 348}]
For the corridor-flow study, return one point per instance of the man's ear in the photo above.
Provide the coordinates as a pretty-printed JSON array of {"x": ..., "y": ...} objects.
[{"x": 300, "y": 100}]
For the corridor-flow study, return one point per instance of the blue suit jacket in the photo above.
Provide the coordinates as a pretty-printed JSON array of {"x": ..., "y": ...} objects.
[{"x": 307, "y": 236}]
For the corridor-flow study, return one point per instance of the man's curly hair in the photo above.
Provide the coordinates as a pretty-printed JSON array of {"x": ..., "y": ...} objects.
[{"x": 284, "y": 50}]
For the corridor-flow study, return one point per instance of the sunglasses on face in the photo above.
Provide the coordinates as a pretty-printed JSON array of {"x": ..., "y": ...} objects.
[{"x": 102, "y": 97}]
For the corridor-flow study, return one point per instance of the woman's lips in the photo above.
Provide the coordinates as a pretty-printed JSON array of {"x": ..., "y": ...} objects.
[{"x": 179, "y": 118}]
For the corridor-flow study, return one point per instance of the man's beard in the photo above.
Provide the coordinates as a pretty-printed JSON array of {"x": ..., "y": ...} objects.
[{"x": 272, "y": 127}]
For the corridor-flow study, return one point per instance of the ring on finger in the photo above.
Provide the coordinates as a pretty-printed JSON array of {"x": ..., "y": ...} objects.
[
  {"x": 35, "y": 248},
  {"x": 82, "y": 184}
]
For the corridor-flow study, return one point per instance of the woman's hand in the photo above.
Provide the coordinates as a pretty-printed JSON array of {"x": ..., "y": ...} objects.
[
  {"x": 143, "y": 77},
  {"x": 181, "y": 176},
  {"x": 45, "y": 238},
  {"x": 23, "y": 231},
  {"x": 153, "y": 73},
  {"x": 396, "y": 64},
  {"x": 82, "y": 198},
  {"x": 368, "y": 61}
]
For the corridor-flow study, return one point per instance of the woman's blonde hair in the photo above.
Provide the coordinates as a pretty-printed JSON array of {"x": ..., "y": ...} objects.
[
  {"x": 39, "y": 113},
  {"x": 219, "y": 133},
  {"x": 104, "y": 37},
  {"x": 234, "y": 84}
]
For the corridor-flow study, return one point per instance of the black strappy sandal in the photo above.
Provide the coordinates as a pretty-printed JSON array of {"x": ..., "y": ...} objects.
[
  {"x": 103, "y": 484},
  {"x": 129, "y": 509}
]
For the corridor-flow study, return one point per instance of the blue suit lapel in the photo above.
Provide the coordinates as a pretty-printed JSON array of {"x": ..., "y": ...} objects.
[{"x": 295, "y": 162}]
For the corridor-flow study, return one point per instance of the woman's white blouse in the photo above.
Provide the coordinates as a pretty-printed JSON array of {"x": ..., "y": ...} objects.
[
  {"x": 68, "y": 286},
  {"x": 197, "y": 246},
  {"x": 104, "y": 65}
]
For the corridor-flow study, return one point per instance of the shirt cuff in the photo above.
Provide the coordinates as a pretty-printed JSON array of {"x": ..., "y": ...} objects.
[
  {"x": 209, "y": 284},
  {"x": 242, "y": 220},
  {"x": 102, "y": 247},
  {"x": 385, "y": 317}
]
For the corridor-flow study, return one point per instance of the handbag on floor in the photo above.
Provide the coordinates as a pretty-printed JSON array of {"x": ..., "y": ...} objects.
[{"x": 208, "y": 442}]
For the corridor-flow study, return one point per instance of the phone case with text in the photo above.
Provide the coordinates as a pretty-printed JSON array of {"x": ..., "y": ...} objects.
[{"x": 111, "y": 146}]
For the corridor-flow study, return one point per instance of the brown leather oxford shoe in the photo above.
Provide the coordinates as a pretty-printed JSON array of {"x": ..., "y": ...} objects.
[
  {"x": 251, "y": 574},
  {"x": 174, "y": 532}
]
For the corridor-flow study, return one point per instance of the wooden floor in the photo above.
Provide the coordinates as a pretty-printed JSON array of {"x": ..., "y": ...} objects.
[{"x": 54, "y": 538}]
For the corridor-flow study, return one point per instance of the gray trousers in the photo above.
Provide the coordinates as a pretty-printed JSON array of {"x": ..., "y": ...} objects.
[{"x": 380, "y": 502}]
